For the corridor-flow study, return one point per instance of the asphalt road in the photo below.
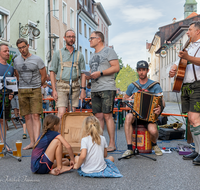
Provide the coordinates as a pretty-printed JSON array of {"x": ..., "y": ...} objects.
[{"x": 169, "y": 172}]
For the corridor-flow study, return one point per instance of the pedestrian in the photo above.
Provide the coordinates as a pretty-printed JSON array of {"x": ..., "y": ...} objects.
[
  {"x": 61, "y": 66},
  {"x": 7, "y": 71},
  {"x": 49, "y": 147},
  {"x": 31, "y": 73},
  {"x": 103, "y": 66},
  {"x": 190, "y": 90},
  {"x": 153, "y": 87},
  {"x": 93, "y": 160}
]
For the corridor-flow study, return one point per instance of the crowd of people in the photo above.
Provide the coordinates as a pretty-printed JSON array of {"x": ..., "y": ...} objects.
[{"x": 67, "y": 84}]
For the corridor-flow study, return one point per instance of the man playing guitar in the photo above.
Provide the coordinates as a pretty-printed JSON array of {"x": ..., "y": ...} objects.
[
  {"x": 144, "y": 83},
  {"x": 190, "y": 91}
]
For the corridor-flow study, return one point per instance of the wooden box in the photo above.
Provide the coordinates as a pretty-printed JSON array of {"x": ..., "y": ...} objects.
[{"x": 71, "y": 129}]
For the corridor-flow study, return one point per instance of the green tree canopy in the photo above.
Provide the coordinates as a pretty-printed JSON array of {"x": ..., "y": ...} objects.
[{"x": 126, "y": 76}]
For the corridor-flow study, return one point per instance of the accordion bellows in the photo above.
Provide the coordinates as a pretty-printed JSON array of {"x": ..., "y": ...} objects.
[{"x": 144, "y": 103}]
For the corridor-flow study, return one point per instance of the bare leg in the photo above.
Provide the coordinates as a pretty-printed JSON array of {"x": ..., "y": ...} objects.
[
  {"x": 24, "y": 128},
  {"x": 152, "y": 128},
  {"x": 128, "y": 128},
  {"x": 36, "y": 126},
  {"x": 29, "y": 125},
  {"x": 61, "y": 112},
  {"x": 110, "y": 158},
  {"x": 16, "y": 112},
  {"x": 100, "y": 117},
  {"x": 111, "y": 129}
]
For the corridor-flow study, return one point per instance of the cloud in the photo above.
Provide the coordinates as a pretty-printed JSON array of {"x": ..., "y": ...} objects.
[{"x": 140, "y": 14}]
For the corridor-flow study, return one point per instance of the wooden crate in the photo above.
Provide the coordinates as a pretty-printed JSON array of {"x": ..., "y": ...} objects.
[{"x": 71, "y": 129}]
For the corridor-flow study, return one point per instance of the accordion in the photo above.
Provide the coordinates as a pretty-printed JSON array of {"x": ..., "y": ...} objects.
[{"x": 144, "y": 103}]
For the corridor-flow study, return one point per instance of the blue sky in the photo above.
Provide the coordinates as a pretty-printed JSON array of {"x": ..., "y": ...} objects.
[{"x": 135, "y": 21}]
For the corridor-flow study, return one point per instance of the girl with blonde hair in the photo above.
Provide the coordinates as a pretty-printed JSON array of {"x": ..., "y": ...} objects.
[
  {"x": 49, "y": 147},
  {"x": 91, "y": 162}
]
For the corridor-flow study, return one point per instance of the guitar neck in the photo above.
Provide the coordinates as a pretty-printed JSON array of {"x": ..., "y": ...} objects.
[{"x": 186, "y": 44}]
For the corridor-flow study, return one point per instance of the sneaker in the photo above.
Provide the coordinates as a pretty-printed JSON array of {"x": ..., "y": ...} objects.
[
  {"x": 157, "y": 150},
  {"x": 126, "y": 153}
]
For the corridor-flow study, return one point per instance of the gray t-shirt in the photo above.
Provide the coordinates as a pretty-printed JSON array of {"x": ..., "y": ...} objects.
[
  {"x": 29, "y": 71},
  {"x": 99, "y": 62}
]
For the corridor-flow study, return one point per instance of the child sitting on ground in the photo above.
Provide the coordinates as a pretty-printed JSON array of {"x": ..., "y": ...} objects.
[
  {"x": 91, "y": 162},
  {"x": 49, "y": 147}
]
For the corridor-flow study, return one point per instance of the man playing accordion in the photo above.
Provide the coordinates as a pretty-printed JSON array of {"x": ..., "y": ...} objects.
[{"x": 153, "y": 87}]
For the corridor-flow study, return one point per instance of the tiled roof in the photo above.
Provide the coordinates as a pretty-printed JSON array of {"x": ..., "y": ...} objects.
[{"x": 192, "y": 15}]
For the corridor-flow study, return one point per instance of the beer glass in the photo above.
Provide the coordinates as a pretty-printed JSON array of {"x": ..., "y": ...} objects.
[
  {"x": 14, "y": 153},
  {"x": 19, "y": 148},
  {"x": 1, "y": 148}
]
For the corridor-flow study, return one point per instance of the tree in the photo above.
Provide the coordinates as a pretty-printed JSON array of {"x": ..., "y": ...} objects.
[
  {"x": 121, "y": 65},
  {"x": 126, "y": 76}
]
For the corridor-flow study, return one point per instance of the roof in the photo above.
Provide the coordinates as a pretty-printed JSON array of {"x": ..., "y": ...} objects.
[
  {"x": 103, "y": 13},
  {"x": 191, "y": 15}
]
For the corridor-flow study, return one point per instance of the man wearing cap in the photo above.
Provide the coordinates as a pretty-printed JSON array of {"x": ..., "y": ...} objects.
[{"x": 143, "y": 82}]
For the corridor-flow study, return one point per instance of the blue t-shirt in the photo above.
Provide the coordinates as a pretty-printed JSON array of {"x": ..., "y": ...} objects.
[
  {"x": 3, "y": 69},
  {"x": 40, "y": 149},
  {"x": 133, "y": 89}
]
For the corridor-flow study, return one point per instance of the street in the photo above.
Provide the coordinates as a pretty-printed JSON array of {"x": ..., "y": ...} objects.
[{"x": 169, "y": 172}]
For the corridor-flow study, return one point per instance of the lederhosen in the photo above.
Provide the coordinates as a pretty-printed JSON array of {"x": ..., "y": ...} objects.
[{"x": 64, "y": 85}]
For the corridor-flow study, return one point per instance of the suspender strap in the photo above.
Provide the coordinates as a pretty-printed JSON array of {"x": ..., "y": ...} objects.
[
  {"x": 77, "y": 63},
  {"x": 61, "y": 65},
  {"x": 151, "y": 85},
  {"x": 193, "y": 66}
]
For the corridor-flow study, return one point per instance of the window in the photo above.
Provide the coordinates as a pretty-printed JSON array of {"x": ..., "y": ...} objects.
[
  {"x": 80, "y": 49},
  {"x": 80, "y": 26},
  {"x": 64, "y": 12},
  {"x": 4, "y": 16},
  {"x": 85, "y": 5},
  {"x": 86, "y": 56},
  {"x": 85, "y": 30},
  {"x": 71, "y": 18},
  {"x": 56, "y": 8},
  {"x": 89, "y": 31},
  {"x": 81, "y": 2}
]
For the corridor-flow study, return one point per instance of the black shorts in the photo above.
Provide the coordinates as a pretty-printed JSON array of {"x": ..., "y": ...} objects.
[{"x": 7, "y": 105}]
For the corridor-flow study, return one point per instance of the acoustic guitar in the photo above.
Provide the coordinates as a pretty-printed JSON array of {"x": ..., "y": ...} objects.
[{"x": 178, "y": 79}]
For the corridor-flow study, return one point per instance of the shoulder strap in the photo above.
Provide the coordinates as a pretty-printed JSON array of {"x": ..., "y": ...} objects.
[
  {"x": 152, "y": 84},
  {"x": 137, "y": 85},
  {"x": 193, "y": 65}
]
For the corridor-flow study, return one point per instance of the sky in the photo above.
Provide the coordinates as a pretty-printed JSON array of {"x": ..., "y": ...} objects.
[{"x": 136, "y": 21}]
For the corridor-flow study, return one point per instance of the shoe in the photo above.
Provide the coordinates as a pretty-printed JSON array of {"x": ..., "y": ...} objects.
[
  {"x": 127, "y": 153},
  {"x": 197, "y": 160},
  {"x": 190, "y": 156},
  {"x": 157, "y": 150},
  {"x": 24, "y": 136}
]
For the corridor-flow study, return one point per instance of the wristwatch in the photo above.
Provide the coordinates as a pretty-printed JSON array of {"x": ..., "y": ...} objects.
[
  {"x": 83, "y": 88},
  {"x": 101, "y": 73}
]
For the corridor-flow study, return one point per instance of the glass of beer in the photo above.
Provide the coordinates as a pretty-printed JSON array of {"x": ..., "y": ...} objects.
[
  {"x": 19, "y": 148},
  {"x": 14, "y": 153},
  {"x": 1, "y": 148}
]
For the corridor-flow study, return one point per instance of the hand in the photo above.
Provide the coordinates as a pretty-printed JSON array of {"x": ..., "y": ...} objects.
[
  {"x": 71, "y": 163},
  {"x": 87, "y": 77},
  {"x": 183, "y": 55},
  {"x": 10, "y": 96},
  {"x": 95, "y": 75},
  {"x": 157, "y": 110},
  {"x": 83, "y": 95},
  {"x": 55, "y": 95},
  {"x": 173, "y": 70}
]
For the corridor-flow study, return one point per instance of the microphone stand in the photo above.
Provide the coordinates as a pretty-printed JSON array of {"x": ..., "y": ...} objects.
[
  {"x": 3, "y": 92},
  {"x": 135, "y": 151}
]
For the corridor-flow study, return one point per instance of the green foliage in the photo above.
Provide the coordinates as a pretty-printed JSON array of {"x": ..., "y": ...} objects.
[
  {"x": 126, "y": 76},
  {"x": 9, "y": 60},
  {"x": 121, "y": 65}
]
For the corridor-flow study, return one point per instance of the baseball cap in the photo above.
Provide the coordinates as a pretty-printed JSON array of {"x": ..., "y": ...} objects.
[{"x": 142, "y": 64}]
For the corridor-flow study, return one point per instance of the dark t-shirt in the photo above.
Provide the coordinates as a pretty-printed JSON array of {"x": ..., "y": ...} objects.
[{"x": 3, "y": 69}]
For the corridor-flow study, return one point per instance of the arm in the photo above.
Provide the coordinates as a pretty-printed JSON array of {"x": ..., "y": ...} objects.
[
  {"x": 185, "y": 55},
  {"x": 114, "y": 68},
  {"x": 67, "y": 146},
  {"x": 53, "y": 84},
  {"x": 43, "y": 74},
  {"x": 16, "y": 74},
  {"x": 105, "y": 152},
  {"x": 83, "y": 84},
  {"x": 81, "y": 158}
]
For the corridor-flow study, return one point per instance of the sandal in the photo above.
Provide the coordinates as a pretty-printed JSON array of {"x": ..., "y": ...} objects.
[{"x": 24, "y": 136}]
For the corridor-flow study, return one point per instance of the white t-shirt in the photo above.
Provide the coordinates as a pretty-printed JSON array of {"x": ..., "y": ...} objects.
[
  {"x": 94, "y": 161},
  {"x": 189, "y": 74}
]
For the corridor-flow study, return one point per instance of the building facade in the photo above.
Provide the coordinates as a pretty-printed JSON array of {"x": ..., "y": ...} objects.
[{"x": 23, "y": 19}]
